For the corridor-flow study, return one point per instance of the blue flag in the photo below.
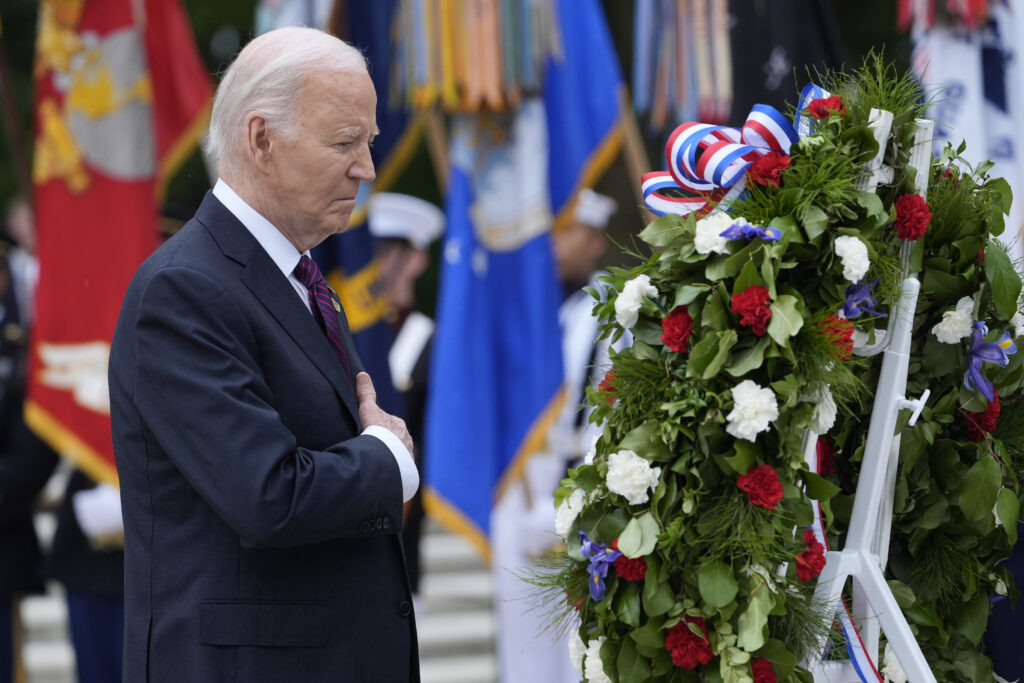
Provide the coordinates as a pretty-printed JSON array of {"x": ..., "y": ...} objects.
[
  {"x": 497, "y": 364},
  {"x": 582, "y": 95}
]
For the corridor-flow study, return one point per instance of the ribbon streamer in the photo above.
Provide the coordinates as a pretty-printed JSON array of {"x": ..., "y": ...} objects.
[{"x": 707, "y": 164}]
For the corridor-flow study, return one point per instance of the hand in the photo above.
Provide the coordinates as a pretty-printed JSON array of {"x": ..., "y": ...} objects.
[{"x": 371, "y": 414}]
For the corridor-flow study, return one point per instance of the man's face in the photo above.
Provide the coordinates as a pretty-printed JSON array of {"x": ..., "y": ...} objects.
[
  {"x": 313, "y": 178},
  {"x": 578, "y": 251}
]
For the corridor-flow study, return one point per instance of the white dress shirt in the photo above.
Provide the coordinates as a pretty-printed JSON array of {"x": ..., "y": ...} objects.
[{"x": 285, "y": 256}]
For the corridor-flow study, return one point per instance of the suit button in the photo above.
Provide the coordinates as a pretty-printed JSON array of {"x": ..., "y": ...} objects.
[{"x": 405, "y": 608}]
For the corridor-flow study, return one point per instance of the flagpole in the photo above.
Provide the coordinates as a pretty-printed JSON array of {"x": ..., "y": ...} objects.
[
  {"x": 437, "y": 143},
  {"x": 634, "y": 150},
  {"x": 14, "y": 134}
]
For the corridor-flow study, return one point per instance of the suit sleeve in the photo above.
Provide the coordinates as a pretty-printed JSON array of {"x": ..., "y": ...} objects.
[{"x": 201, "y": 392}]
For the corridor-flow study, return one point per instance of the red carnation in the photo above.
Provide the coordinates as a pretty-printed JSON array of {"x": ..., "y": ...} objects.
[
  {"x": 676, "y": 327},
  {"x": 826, "y": 457},
  {"x": 627, "y": 569},
  {"x": 821, "y": 108},
  {"x": 762, "y": 670},
  {"x": 688, "y": 649},
  {"x": 631, "y": 569},
  {"x": 838, "y": 332},
  {"x": 607, "y": 386},
  {"x": 810, "y": 562},
  {"x": 752, "y": 305},
  {"x": 768, "y": 169},
  {"x": 912, "y": 216},
  {"x": 980, "y": 424},
  {"x": 762, "y": 486}
]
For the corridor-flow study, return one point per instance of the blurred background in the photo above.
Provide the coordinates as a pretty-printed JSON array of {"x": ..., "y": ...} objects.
[{"x": 513, "y": 137}]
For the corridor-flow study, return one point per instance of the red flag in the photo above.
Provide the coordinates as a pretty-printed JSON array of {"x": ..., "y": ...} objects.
[{"x": 121, "y": 99}]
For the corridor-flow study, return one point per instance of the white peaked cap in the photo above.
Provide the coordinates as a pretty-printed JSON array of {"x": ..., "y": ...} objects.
[
  {"x": 594, "y": 209},
  {"x": 400, "y": 216}
]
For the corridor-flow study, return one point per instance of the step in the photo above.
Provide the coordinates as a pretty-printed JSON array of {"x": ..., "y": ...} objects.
[
  {"x": 468, "y": 669},
  {"x": 470, "y": 632},
  {"x": 447, "y": 591},
  {"x": 447, "y": 552},
  {"x": 45, "y": 616},
  {"x": 49, "y": 661}
]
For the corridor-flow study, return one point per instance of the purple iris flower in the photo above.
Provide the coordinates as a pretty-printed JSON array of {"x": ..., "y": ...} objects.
[
  {"x": 749, "y": 232},
  {"x": 600, "y": 557},
  {"x": 990, "y": 352},
  {"x": 859, "y": 299}
]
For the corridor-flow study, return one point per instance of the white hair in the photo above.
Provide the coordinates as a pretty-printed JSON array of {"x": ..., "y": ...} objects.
[{"x": 266, "y": 77}]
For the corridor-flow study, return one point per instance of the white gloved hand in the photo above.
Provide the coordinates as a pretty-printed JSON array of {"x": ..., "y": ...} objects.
[{"x": 98, "y": 511}]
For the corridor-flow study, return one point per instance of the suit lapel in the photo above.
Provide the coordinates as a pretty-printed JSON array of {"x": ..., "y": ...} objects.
[{"x": 270, "y": 286}]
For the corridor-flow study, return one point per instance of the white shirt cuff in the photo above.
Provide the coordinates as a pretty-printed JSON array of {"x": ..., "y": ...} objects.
[{"x": 406, "y": 465}]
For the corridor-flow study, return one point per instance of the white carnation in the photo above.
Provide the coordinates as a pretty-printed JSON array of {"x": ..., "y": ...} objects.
[
  {"x": 628, "y": 303},
  {"x": 567, "y": 512},
  {"x": 824, "y": 413},
  {"x": 1018, "y": 325},
  {"x": 709, "y": 233},
  {"x": 891, "y": 670},
  {"x": 854, "y": 255},
  {"x": 956, "y": 325},
  {"x": 593, "y": 667},
  {"x": 754, "y": 407},
  {"x": 630, "y": 476},
  {"x": 577, "y": 649}
]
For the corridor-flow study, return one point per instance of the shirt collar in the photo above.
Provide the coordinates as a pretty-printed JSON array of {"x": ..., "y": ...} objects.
[{"x": 282, "y": 252}]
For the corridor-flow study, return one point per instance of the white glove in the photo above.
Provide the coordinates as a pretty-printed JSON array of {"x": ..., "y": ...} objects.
[{"x": 98, "y": 511}]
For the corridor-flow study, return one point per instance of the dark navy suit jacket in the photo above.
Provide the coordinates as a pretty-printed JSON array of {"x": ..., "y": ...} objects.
[{"x": 261, "y": 530}]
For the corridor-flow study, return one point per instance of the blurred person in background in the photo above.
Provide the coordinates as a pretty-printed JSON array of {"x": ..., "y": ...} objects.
[
  {"x": 405, "y": 227},
  {"x": 523, "y": 520},
  {"x": 87, "y": 558},
  {"x": 25, "y": 461}
]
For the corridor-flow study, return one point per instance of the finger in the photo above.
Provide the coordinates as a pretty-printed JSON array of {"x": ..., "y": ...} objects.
[{"x": 364, "y": 388}]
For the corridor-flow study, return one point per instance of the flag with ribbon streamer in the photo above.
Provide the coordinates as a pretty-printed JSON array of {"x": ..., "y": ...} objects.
[
  {"x": 496, "y": 372},
  {"x": 121, "y": 99}
]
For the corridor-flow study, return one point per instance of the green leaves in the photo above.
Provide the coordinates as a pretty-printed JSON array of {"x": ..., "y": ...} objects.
[
  {"x": 716, "y": 583},
  {"x": 657, "y": 597},
  {"x": 787, "y": 318},
  {"x": 640, "y": 536},
  {"x": 709, "y": 354},
  {"x": 631, "y": 666},
  {"x": 981, "y": 486},
  {"x": 662, "y": 231},
  {"x": 1007, "y": 510},
  {"x": 1006, "y": 284},
  {"x": 753, "y": 622}
]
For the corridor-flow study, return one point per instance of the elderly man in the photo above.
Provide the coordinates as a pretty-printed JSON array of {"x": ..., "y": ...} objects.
[{"x": 262, "y": 486}]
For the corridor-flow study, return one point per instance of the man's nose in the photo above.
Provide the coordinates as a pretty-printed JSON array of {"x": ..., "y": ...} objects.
[{"x": 363, "y": 169}]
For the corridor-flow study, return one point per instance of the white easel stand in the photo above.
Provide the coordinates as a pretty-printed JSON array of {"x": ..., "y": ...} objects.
[{"x": 867, "y": 544}]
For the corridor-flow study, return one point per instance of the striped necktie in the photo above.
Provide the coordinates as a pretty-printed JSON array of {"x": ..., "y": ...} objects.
[{"x": 325, "y": 308}]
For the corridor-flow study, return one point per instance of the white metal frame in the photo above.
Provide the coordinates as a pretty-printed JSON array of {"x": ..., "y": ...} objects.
[{"x": 865, "y": 554}]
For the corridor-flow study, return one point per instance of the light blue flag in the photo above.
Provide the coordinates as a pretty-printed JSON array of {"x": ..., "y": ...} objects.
[{"x": 497, "y": 366}]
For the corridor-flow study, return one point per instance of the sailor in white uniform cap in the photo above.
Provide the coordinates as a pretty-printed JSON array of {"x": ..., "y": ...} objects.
[
  {"x": 405, "y": 227},
  {"x": 522, "y": 524}
]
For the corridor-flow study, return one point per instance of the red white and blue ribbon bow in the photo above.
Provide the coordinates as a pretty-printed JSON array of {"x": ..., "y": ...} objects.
[{"x": 709, "y": 163}]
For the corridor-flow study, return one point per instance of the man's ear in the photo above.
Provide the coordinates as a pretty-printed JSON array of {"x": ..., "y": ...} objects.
[{"x": 258, "y": 141}]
